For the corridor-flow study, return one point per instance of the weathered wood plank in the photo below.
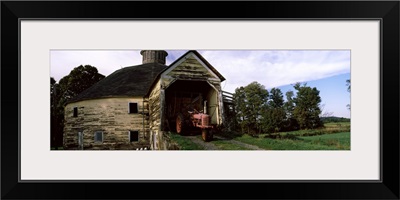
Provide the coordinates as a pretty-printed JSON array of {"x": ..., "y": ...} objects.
[{"x": 109, "y": 115}]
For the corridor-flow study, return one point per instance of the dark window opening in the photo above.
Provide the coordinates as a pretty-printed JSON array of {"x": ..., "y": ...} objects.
[
  {"x": 98, "y": 136},
  {"x": 133, "y": 108},
  {"x": 75, "y": 111},
  {"x": 133, "y": 136}
]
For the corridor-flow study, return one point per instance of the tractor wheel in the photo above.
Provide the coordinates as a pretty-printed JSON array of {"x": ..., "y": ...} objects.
[
  {"x": 206, "y": 135},
  {"x": 180, "y": 124}
]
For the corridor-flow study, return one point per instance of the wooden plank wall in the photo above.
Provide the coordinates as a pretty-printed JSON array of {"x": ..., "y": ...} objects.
[{"x": 109, "y": 115}]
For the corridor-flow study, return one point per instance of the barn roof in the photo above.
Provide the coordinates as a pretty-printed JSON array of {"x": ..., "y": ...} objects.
[{"x": 128, "y": 81}]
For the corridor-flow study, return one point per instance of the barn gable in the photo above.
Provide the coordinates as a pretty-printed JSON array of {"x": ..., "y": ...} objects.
[{"x": 190, "y": 66}]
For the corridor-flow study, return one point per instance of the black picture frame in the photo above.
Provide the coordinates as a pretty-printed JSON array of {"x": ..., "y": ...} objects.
[{"x": 386, "y": 11}]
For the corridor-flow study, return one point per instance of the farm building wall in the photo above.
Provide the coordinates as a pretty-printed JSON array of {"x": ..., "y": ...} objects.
[
  {"x": 154, "y": 100},
  {"x": 212, "y": 107},
  {"x": 111, "y": 117}
]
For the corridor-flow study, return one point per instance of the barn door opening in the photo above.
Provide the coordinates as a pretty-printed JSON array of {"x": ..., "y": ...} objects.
[{"x": 186, "y": 95}]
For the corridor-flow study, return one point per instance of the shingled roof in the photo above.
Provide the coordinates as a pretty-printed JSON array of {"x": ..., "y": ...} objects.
[{"x": 126, "y": 82}]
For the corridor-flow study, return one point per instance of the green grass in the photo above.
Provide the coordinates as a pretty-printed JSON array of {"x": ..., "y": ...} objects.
[
  {"x": 335, "y": 124},
  {"x": 339, "y": 140},
  {"x": 334, "y": 136},
  {"x": 334, "y": 141},
  {"x": 184, "y": 143},
  {"x": 329, "y": 128},
  {"x": 226, "y": 145}
]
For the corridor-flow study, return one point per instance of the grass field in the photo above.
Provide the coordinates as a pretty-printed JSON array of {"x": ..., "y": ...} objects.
[
  {"x": 334, "y": 141},
  {"x": 334, "y": 136},
  {"x": 337, "y": 140}
]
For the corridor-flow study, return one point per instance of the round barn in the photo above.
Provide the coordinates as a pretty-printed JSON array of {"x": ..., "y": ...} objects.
[{"x": 135, "y": 106}]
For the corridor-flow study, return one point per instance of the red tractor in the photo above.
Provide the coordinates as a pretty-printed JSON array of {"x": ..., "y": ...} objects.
[{"x": 196, "y": 120}]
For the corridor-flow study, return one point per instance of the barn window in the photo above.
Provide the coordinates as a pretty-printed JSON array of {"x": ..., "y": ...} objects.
[
  {"x": 98, "y": 136},
  {"x": 75, "y": 111},
  {"x": 133, "y": 108},
  {"x": 133, "y": 136}
]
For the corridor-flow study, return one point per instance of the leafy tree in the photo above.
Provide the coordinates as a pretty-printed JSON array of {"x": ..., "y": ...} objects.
[
  {"x": 240, "y": 107},
  {"x": 249, "y": 104},
  {"x": 348, "y": 84},
  {"x": 274, "y": 115},
  {"x": 78, "y": 80},
  {"x": 307, "y": 109},
  {"x": 334, "y": 119},
  {"x": 291, "y": 123},
  {"x": 276, "y": 98},
  {"x": 256, "y": 99}
]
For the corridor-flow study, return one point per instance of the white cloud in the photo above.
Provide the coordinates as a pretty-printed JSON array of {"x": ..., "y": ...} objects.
[
  {"x": 270, "y": 68},
  {"x": 277, "y": 68}
]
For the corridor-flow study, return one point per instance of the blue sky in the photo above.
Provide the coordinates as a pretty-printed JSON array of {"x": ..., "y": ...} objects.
[{"x": 323, "y": 69}]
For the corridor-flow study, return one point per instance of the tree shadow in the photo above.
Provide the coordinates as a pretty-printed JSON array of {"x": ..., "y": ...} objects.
[{"x": 227, "y": 135}]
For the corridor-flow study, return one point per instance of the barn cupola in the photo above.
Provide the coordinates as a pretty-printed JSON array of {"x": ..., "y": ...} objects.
[{"x": 154, "y": 56}]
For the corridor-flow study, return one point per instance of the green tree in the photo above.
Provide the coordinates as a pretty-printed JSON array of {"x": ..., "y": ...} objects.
[
  {"x": 274, "y": 114},
  {"x": 78, "y": 80},
  {"x": 256, "y": 96},
  {"x": 276, "y": 98},
  {"x": 249, "y": 104},
  {"x": 307, "y": 109},
  {"x": 239, "y": 98},
  {"x": 289, "y": 105},
  {"x": 348, "y": 84}
]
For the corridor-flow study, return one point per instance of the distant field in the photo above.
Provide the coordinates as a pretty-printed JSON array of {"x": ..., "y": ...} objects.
[
  {"x": 338, "y": 140},
  {"x": 335, "y": 141},
  {"x": 334, "y": 136}
]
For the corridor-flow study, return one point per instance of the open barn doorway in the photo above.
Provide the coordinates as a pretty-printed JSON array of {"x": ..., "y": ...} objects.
[{"x": 186, "y": 95}]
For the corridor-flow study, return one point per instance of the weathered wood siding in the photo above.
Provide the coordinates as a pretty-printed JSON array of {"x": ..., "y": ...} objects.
[
  {"x": 212, "y": 106},
  {"x": 154, "y": 107},
  {"x": 219, "y": 102},
  {"x": 189, "y": 69},
  {"x": 155, "y": 115},
  {"x": 109, "y": 115}
]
